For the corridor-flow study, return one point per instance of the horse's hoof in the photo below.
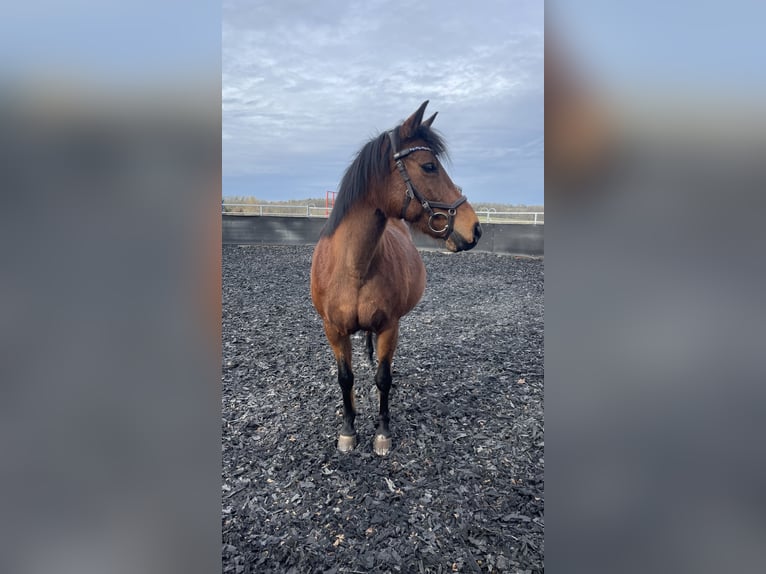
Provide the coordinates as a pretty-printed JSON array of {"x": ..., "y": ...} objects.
[
  {"x": 381, "y": 445},
  {"x": 346, "y": 443}
]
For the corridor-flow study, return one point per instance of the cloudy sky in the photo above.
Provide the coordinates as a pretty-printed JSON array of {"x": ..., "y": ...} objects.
[{"x": 306, "y": 84}]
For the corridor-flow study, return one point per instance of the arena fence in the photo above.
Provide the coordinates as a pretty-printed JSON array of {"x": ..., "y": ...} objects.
[{"x": 243, "y": 229}]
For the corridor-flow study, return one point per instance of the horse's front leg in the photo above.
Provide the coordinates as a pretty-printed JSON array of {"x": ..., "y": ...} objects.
[
  {"x": 341, "y": 347},
  {"x": 386, "y": 347}
]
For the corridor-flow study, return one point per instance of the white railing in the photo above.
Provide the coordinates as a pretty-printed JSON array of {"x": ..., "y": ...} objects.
[
  {"x": 283, "y": 210},
  {"x": 490, "y": 215}
]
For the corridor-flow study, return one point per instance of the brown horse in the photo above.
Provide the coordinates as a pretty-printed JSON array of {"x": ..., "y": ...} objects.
[{"x": 366, "y": 272}]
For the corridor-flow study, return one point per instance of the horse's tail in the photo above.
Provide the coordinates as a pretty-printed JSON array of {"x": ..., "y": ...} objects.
[{"x": 369, "y": 346}]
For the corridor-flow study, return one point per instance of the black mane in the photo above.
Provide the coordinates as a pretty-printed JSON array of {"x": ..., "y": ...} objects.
[{"x": 373, "y": 164}]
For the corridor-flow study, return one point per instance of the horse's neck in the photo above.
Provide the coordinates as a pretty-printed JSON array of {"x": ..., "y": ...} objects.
[{"x": 361, "y": 235}]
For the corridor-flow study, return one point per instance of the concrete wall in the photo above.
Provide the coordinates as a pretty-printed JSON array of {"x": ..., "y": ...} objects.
[
  {"x": 254, "y": 229},
  {"x": 516, "y": 239}
]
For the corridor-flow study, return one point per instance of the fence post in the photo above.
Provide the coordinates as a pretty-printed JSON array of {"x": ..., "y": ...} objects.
[
  {"x": 260, "y": 210},
  {"x": 535, "y": 218}
]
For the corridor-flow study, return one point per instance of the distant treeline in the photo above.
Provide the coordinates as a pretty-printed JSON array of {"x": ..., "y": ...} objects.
[{"x": 320, "y": 202}]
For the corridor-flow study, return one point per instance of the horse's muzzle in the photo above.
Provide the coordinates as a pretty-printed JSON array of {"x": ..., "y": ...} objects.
[{"x": 455, "y": 242}]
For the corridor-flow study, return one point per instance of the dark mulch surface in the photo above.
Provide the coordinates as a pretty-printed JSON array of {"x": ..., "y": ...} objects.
[{"x": 462, "y": 489}]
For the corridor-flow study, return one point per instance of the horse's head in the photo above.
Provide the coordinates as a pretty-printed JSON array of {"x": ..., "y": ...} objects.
[{"x": 430, "y": 201}]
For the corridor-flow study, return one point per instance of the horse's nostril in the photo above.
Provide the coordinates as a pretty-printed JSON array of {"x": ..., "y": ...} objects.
[{"x": 477, "y": 231}]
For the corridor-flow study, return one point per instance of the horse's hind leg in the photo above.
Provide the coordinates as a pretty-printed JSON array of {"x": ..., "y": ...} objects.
[
  {"x": 386, "y": 347},
  {"x": 369, "y": 347},
  {"x": 341, "y": 347}
]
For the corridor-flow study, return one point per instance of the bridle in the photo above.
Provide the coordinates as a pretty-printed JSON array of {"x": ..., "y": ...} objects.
[{"x": 412, "y": 193}]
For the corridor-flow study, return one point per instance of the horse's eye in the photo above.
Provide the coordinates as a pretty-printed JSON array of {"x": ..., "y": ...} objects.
[{"x": 429, "y": 167}]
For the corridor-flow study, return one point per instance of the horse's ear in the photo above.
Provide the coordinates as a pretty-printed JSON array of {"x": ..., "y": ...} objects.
[
  {"x": 430, "y": 120},
  {"x": 412, "y": 123}
]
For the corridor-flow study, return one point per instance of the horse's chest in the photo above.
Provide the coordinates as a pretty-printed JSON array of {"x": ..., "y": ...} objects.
[
  {"x": 374, "y": 309},
  {"x": 374, "y": 306},
  {"x": 380, "y": 302}
]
